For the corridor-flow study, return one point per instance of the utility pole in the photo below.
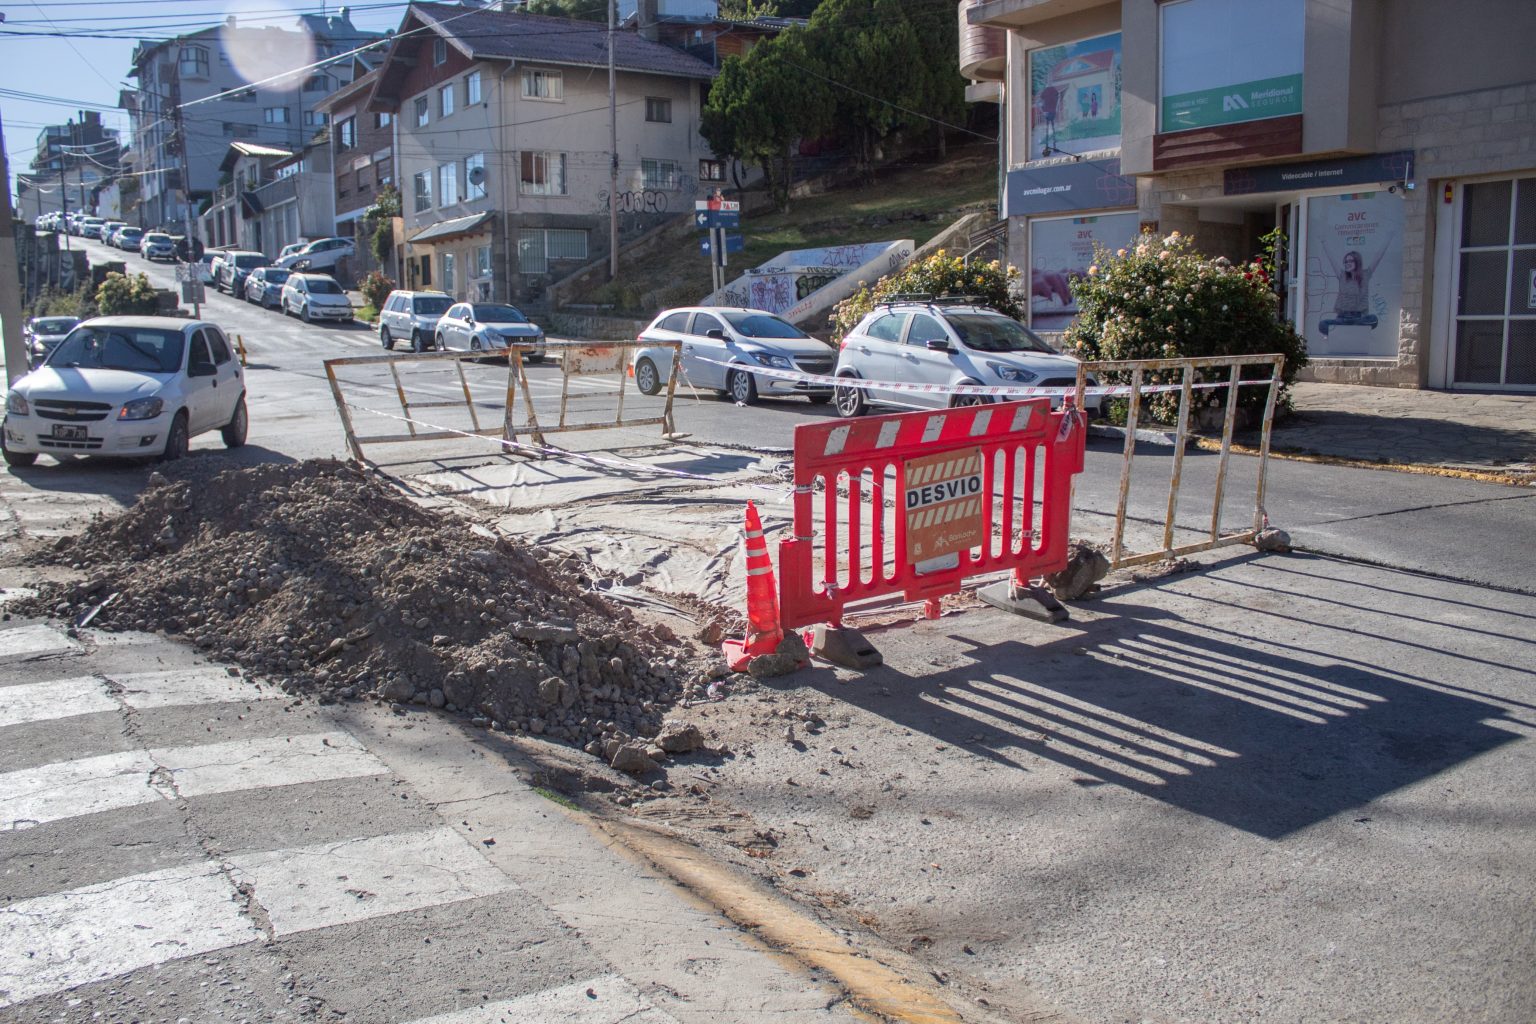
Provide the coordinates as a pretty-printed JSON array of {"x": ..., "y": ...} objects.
[
  {"x": 10, "y": 277},
  {"x": 178, "y": 148},
  {"x": 63, "y": 204},
  {"x": 613, "y": 147}
]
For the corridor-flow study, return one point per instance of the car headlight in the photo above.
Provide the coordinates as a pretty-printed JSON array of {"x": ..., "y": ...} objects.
[
  {"x": 1014, "y": 374},
  {"x": 16, "y": 405},
  {"x": 141, "y": 409},
  {"x": 778, "y": 362}
]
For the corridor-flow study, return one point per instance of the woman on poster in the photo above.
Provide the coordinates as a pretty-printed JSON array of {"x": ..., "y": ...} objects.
[{"x": 1352, "y": 306}]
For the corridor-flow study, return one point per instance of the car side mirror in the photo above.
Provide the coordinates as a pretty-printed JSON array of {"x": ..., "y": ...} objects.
[
  {"x": 938, "y": 344},
  {"x": 716, "y": 333}
]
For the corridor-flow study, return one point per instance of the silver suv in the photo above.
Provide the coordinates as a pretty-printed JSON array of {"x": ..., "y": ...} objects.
[
  {"x": 413, "y": 317},
  {"x": 945, "y": 343}
]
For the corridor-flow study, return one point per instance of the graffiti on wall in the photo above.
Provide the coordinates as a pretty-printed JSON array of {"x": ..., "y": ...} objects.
[{"x": 792, "y": 276}]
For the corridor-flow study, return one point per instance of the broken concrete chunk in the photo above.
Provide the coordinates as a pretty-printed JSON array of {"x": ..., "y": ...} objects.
[
  {"x": 1086, "y": 565},
  {"x": 632, "y": 758},
  {"x": 679, "y": 737}
]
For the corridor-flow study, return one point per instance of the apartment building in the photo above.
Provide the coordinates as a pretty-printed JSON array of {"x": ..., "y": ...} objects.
[
  {"x": 70, "y": 162},
  {"x": 236, "y": 81},
  {"x": 503, "y": 152},
  {"x": 362, "y": 145},
  {"x": 1393, "y": 144}
]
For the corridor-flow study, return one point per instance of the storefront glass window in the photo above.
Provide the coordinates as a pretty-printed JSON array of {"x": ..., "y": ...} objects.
[
  {"x": 1061, "y": 249},
  {"x": 1354, "y": 274},
  {"x": 1226, "y": 61},
  {"x": 1075, "y": 97}
]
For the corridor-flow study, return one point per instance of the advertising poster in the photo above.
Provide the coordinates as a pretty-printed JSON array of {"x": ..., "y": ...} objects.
[
  {"x": 1062, "y": 249},
  {"x": 1354, "y": 274},
  {"x": 1075, "y": 97},
  {"x": 1226, "y": 61}
]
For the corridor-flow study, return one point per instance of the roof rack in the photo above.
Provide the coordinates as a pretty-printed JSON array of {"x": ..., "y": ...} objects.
[{"x": 929, "y": 299}]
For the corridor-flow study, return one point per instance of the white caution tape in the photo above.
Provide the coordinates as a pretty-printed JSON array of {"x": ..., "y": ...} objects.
[{"x": 1005, "y": 390}]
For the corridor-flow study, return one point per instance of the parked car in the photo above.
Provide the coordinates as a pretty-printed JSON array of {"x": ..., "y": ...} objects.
[
  {"x": 721, "y": 346},
  {"x": 315, "y": 297},
  {"x": 90, "y": 227},
  {"x": 264, "y": 286},
  {"x": 128, "y": 238},
  {"x": 944, "y": 343},
  {"x": 414, "y": 316},
  {"x": 233, "y": 265},
  {"x": 109, "y": 230},
  {"x": 488, "y": 327},
  {"x": 157, "y": 245},
  {"x": 321, "y": 254},
  {"x": 42, "y": 333},
  {"x": 127, "y": 385},
  {"x": 289, "y": 250}
]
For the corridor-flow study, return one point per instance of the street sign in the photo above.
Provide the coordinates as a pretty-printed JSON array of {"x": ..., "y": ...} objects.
[
  {"x": 944, "y": 499},
  {"x": 724, "y": 205},
  {"x": 703, "y": 219},
  {"x": 733, "y": 243},
  {"x": 189, "y": 250}
]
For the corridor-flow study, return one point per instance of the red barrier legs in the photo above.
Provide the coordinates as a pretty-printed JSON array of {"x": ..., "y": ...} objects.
[{"x": 763, "y": 632}]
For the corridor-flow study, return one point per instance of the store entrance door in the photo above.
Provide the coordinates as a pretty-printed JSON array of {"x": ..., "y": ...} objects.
[{"x": 1493, "y": 334}]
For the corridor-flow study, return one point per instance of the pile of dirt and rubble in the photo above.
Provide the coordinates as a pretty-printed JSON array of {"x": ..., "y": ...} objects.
[{"x": 331, "y": 582}]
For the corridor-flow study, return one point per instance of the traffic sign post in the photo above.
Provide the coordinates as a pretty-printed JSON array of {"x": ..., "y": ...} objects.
[{"x": 713, "y": 216}]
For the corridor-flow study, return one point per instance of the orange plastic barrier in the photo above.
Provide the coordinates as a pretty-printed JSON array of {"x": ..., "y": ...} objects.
[{"x": 966, "y": 483}]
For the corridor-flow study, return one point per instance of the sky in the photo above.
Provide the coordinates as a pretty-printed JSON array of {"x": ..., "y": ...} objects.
[{"x": 77, "y": 70}]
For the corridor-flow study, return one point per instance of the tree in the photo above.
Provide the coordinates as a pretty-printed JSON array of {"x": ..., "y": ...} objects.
[
  {"x": 577, "y": 10},
  {"x": 379, "y": 219}
]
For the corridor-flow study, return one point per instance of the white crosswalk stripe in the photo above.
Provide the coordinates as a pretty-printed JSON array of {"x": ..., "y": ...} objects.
[
  {"x": 188, "y": 686},
  {"x": 34, "y": 642},
  {"x": 59, "y": 698},
  {"x": 53, "y": 943}
]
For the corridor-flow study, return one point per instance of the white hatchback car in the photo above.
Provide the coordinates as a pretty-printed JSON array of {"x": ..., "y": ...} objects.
[
  {"x": 721, "y": 346},
  {"x": 945, "y": 343},
  {"x": 127, "y": 385},
  {"x": 488, "y": 327},
  {"x": 315, "y": 297}
]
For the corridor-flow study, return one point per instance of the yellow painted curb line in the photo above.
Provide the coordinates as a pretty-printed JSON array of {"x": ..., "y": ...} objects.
[
  {"x": 1517, "y": 479},
  {"x": 871, "y": 985}
]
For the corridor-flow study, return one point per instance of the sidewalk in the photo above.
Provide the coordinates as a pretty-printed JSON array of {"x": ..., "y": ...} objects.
[{"x": 1454, "y": 430}]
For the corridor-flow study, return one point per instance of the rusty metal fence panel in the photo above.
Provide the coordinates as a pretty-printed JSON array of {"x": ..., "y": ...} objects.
[
  {"x": 1187, "y": 369},
  {"x": 578, "y": 359}
]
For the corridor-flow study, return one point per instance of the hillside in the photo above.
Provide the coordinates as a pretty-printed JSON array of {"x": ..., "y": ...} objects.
[{"x": 915, "y": 199}]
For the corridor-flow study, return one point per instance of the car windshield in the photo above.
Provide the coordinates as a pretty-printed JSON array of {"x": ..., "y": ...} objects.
[
  {"x": 993, "y": 332},
  {"x": 53, "y": 325},
  {"x": 491, "y": 313},
  {"x": 274, "y": 276},
  {"x": 144, "y": 349},
  {"x": 762, "y": 325},
  {"x": 155, "y": 236},
  {"x": 250, "y": 262},
  {"x": 431, "y": 304},
  {"x": 324, "y": 286}
]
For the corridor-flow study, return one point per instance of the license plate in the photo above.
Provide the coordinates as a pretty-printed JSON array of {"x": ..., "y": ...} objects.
[{"x": 64, "y": 433}]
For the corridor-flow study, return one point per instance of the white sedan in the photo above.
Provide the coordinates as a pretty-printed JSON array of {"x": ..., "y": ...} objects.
[
  {"x": 127, "y": 385},
  {"x": 489, "y": 327}
]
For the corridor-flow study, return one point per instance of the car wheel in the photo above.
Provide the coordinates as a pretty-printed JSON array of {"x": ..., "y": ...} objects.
[
  {"x": 21, "y": 460},
  {"x": 741, "y": 387},
  {"x": 386, "y": 340},
  {"x": 818, "y": 399},
  {"x": 418, "y": 342},
  {"x": 234, "y": 431},
  {"x": 176, "y": 441},
  {"x": 850, "y": 401},
  {"x": 965, "y": 401},
  {"x": 646, "y": 377}
]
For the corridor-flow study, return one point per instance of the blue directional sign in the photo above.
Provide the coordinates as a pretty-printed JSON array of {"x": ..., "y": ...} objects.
[
  {"x": 717, "y": 219},
  {"x": 733, "y": 243}
]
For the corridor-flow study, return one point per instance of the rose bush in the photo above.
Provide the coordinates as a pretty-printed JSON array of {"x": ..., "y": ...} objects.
[{"x": 1161, "y": 299}]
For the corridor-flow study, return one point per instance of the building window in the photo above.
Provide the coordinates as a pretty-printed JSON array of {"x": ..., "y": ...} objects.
[
  {"x": 658, "y": 108},
  {"x": 483, "y": 261},
  {"x": 422, "y": 114},
  {"x": 386, "y": 172},
  {"x": 474, "y": 177},
  {"x": 536, "y": 247},
  {"x": 193, "y": 61},
  {"x": 541, "y": 174},
  {"x": 445, "y": 100},
  {"x": 439, "y": 52},
  {"x": 711, "y": 170},
  {"x": 1075, "y": 97},
  {"x": 276, "y": 115},
  {"x": 448, "y": 181},
  {"x": 542, "y": 85},
  {"x": 315, "y": 118},
  {"x": 1494, "y": 284},
  {"x": 362, "y": 181},
  {"x": 383, "y": 120},
  {"x": 346, "y": 134},
  {"x": 317, "y": 83},
  {"x": 447, "y": 279},
  {"x": 423, "y": 183},
  {"x": 472, "y": 88},
  {"x": 249, "y": 96},
  {"x": 1226, "y": 61},
  {"x": 658, "y": 174}
]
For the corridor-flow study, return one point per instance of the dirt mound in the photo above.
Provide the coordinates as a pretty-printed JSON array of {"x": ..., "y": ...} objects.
[{"x": 332, "y": 582}]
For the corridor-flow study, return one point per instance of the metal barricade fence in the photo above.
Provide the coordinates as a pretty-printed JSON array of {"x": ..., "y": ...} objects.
[
  {"x": 966, "y": 482},
  {"x": 417, "y": 414},
  {"x": 1187, "y": 369}
]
